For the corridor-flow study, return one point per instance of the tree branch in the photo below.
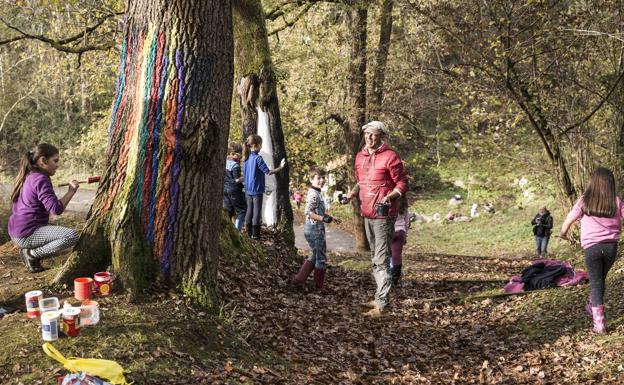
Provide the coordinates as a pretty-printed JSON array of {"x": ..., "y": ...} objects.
[
  {"x": 60, "y": 44},
  {"x": 288, "y": 24},
  {"x": 337, "y": 118},
  {"x": 598, "y": 107}
]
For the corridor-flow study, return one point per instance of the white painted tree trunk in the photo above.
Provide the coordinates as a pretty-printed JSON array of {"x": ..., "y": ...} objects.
[{"x": 269, "y": 203}]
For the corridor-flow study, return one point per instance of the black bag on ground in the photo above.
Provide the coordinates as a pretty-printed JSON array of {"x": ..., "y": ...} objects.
[{"x": 539, "y": 276}]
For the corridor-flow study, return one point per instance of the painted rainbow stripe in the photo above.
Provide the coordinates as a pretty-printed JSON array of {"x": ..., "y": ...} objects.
[{"x": 149, "y": 104}]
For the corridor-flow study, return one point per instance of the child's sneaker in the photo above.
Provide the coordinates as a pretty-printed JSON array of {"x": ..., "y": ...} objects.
[{"x": 33, "y": 265}]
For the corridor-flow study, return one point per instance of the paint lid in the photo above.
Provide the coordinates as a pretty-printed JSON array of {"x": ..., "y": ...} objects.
[
  {"x": 51, "y": 315},
  {"x": 34, "y": 293},
  {"x": 102, "y": 276},
  {"x": 71, "y": 311}
]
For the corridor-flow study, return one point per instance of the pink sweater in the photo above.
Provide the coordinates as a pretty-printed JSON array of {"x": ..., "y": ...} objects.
[
  {"x": 595, "y": 229},
  {"x": 402, "y": 222}
]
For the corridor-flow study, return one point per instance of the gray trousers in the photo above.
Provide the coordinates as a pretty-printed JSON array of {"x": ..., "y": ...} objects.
[
  {"x": 47, "y": 241},
  {"x": 379, "y": 233}
]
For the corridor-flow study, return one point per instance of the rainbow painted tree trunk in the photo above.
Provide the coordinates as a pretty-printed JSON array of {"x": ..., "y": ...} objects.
[
  {"x": 259, "y": 106},
  {"x": 157, "y": 213}
]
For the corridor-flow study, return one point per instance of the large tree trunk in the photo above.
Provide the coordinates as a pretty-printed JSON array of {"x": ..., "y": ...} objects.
[
  {"x": 356, "y": 118},
  {"x": 379, "y": 75},
  {"x": 157, "y": 212},
  {"x": 257, "y": 92}
]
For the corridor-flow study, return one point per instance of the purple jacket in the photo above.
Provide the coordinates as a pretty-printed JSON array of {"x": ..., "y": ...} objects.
[{"x": 32, "y": 208}]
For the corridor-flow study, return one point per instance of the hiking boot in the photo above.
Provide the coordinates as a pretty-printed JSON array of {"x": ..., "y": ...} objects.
[
  {"x": 32, "y": 264},
  {"x": 255, "y": 232},
  {"x": 598, "y": 316},
  {"x": 303, "y": 273},
  {"x": 396, "y": 274},
  {"x": 249, "y": 230},
  {"x": 319, "y": 278},
  {"x": 375, "y": 312},
  {"x": 370, "y": 304}
]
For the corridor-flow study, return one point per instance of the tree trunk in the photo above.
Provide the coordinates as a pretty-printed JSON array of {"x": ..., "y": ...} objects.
[
  {"x": 156, "y": 215},
  {"x": 356, "y": 118},
  {"x": 257, "y": 93},
  {"x": 385, "y": 33}
]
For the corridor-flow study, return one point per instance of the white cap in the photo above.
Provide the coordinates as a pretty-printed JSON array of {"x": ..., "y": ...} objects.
[{"x": 375, "y": 127}]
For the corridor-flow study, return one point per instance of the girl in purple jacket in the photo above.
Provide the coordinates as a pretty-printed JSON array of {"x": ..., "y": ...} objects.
[
  {"x": 33, "y": 201},
  {"x": 600, "y": 211}
]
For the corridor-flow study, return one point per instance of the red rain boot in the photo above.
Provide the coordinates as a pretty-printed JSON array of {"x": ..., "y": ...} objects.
[
  {"x": 319, "y": 278},
  {"x": 304, "y": 272},
  {"x": 598, "y": 315}
]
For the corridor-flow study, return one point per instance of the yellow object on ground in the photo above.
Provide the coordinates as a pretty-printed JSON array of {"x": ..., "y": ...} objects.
[{"x": 108, "y": 370}]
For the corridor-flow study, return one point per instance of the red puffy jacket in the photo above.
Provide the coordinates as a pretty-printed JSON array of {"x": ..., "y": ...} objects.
[{"x": 378, "y": 174}]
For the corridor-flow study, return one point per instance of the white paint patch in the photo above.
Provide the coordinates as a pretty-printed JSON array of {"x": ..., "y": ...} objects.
[{"x": 269, "y": 202}]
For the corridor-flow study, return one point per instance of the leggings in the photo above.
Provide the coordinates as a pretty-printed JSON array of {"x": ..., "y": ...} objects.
[
  {"x": 47, "y": 241},
  {"x": 599, "y": 258},
  {"x": 398, "y": 240},
  {"x": 253, "y": 216}
]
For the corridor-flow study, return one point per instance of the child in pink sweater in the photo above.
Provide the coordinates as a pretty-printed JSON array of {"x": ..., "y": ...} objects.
[
  {"x": 600, "y": 211},
  {"x": 399, "y": 238}
]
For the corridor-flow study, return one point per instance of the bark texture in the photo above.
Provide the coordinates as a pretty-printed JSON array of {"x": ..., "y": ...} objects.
[
  {"x": 257, "y": 86},
  {"x": 383, "y": 50},
  {"x": 157, "y": 213},
  {"x": 358, "y": 17}
]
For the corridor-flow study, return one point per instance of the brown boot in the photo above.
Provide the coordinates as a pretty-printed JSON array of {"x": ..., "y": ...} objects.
[
  {"x": 370, "y": 304},
  {"x": 304, "y": 272},
  {"x": 375, "y": 313},
  {"x": 319, "y": 278}
]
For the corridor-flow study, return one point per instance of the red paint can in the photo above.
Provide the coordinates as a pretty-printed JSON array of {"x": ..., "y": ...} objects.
[
  {"x": 83, "y": 287},
  {"x": 103, "y": 283},
  {"x": 71, "y": 321},
  {"x": 32, "y": 303}
]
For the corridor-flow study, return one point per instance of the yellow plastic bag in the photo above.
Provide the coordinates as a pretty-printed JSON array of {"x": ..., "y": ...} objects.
[{"x": 108, "y": 370}]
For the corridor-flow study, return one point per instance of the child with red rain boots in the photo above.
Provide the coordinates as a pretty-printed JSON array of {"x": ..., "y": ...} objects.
[{"x": 314, "y": 230}]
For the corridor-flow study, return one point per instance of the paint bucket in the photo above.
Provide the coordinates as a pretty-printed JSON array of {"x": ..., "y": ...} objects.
[
  {"x": 102, "y": 283},
  {"x": 71, "y": 321},
  {"x": 83, "y": 287},
  {"x": 89, "y": 313},
  {"x": 32, "y": 303},
  {"x": 50, "y": 325},
  {"x": 49, "y": 304}
]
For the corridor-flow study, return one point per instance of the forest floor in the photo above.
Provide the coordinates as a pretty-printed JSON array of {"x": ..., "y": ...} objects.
[{"x": 448, "y": 324}]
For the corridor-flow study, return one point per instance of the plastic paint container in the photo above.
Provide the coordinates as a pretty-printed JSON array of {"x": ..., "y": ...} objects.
[
  {"x": 83, "y": 287},
  {"x": 50, "y": 325},
  {"x": 89, "y": 313},
  {"x": 49, "y": 304},
  {"x": 32, "y": 303},
  {"x": 71, "y": 321},
  {"x": 102, "y": 283}
]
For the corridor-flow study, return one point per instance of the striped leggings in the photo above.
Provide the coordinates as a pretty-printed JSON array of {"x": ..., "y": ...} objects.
[{"x": 47, "y": 241}]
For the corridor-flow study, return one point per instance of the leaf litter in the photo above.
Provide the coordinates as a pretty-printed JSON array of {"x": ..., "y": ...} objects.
[{"x": 272, "y": 332}]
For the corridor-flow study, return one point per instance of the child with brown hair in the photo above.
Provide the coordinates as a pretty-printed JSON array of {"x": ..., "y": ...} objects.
[
  {"x": 314, "y": 230},
  {"x": 233, "y": 196},
  {"x": 34, "y": 200},
  {"x": 600, "y": 211},
  {"x": 254, "y": 170}
]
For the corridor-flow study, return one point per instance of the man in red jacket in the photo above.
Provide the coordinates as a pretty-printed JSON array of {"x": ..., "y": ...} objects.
[{"x": 380, "y": 181}]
